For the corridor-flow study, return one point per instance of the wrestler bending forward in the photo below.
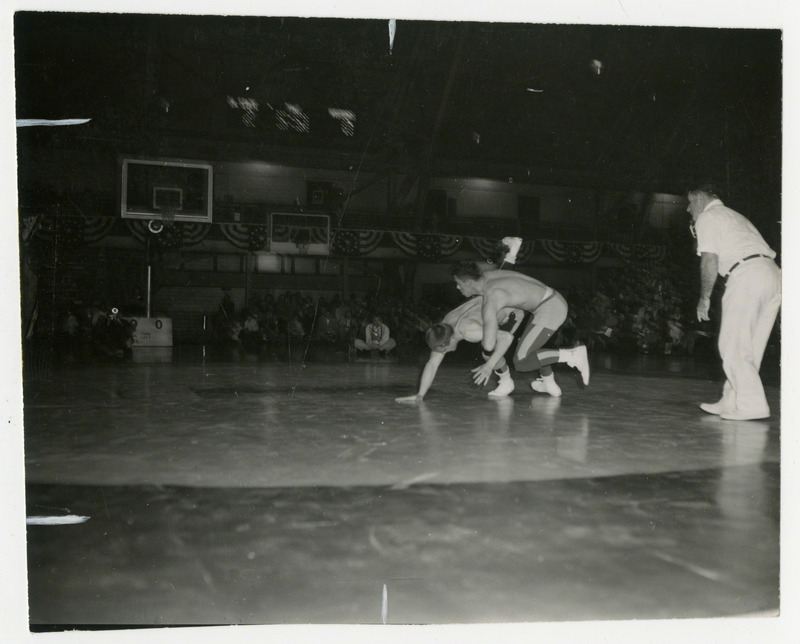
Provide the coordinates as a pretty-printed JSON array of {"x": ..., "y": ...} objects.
[
  {"x": 502, "y": 289},
  {"x": 465, "y": 322}
]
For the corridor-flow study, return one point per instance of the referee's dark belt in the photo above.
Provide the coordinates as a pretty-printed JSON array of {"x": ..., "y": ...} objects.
[{"x": 741, "y": 261}]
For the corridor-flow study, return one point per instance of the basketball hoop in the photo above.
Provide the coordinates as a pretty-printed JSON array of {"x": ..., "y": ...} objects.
[
  {"x": 302, "y": 249},
  {"x": 167, "y": 220}
]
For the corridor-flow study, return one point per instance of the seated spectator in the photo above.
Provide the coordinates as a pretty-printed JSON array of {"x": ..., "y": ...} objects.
[
  {"x": 268, "y": 323},
  {"x": 285, "y": 312},
  {"x": 346, "y": 324},
  {"x": 295, "y": 327},
  {"x": 250, "y": 333},
  {"x": 112, "y": 336},
  {"x": 326, "y": 327},
  {"x": 377, "y": 338},
  {"x": 225, "y": 324}
]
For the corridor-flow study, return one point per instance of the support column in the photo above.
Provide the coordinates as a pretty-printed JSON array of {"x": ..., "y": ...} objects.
[
  {"x": 249, "y": 265},
  {"x": 345, "y": 279}
]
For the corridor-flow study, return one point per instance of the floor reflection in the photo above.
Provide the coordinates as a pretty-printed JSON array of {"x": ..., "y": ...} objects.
[{"x": 277, "y": 492}]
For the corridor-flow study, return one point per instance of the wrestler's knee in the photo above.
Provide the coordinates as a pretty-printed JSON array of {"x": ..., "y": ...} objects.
[{"x": 526, "y": 362}]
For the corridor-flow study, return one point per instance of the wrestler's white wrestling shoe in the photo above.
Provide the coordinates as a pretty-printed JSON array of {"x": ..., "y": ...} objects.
[
  {"x": 578, "y": 359},
  {"x": 504, "y": 387},
  {"x": 514, "y": 244},
  {"x": 547, "y": 385}
]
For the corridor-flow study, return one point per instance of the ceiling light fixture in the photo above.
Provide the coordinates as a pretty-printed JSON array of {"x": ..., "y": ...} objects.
[
  {"x": 596, "y": 66},
  {"x": 249, "y": 107},
  {"x": 292, "y": 117},
  {"x": 346, "y": 118}
]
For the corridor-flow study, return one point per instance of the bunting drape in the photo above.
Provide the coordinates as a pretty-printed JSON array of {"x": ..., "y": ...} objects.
[{"x": 76, "y": 231}]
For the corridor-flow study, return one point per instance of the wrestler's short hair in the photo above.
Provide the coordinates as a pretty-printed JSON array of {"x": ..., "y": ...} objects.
[
  {"x": 438, "y": 335},
  {"x": 467, "y": 271}
]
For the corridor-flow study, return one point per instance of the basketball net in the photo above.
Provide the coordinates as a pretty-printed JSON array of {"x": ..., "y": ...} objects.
[{"x": 167, "y": 220}]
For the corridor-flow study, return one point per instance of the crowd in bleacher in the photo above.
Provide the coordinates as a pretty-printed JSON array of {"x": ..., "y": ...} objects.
[
  {"x": 332, "y": 319},
  {"x": 642, "y": 307}
]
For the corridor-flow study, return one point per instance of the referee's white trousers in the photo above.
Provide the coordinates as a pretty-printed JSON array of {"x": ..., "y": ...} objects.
[{"x": 750, "y": 305}]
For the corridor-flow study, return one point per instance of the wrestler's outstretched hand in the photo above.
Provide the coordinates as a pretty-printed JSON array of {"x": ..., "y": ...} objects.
[
  {"x": 409, "y": 399},
  {"x": 482, "y": 374}
]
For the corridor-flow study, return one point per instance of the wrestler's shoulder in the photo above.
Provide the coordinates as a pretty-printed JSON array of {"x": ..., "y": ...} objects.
[
  {"x": 504, "y": 272},
  {"x": 501, "y": 277}
]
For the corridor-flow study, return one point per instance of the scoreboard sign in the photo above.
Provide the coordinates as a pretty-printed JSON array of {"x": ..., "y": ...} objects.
[{"x": 152, "y": 332}]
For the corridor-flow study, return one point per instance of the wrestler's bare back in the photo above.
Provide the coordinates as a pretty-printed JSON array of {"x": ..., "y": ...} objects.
[
  {"x": 467, "y": 322},
  {"x": 512, "y": 289}
]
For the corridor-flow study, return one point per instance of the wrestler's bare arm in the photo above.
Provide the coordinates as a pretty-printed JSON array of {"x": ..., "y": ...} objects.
[
  {"x": 492, "y": 303},
  {"x": 483, "y": 372},
  {"x": 504, "y": 340},
  {"x": 426, "y": 380}
]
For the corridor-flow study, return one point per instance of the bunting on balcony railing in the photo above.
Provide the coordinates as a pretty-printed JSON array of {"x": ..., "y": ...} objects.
[
  {"x": 572, "y": 252},
  {"x": 74, "y": 231},
  {"x": 355, "y": 243},
  {"x": 369, "y": 240},
  {"x": 169, "y": 235},
  {"x": 426, "y": 245},
  {"x": 79, "y": 230},
  {"x": 346, "y": 242},
  {"x": 97, "y": 228},
  {"x": 319, "y": 235},
  {"x": 247, "y": 237},
  {"x": 487, "y": 248}
]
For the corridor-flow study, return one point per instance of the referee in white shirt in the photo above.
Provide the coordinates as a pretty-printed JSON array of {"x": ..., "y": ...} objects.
[{"x": 730, "y": 246}]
